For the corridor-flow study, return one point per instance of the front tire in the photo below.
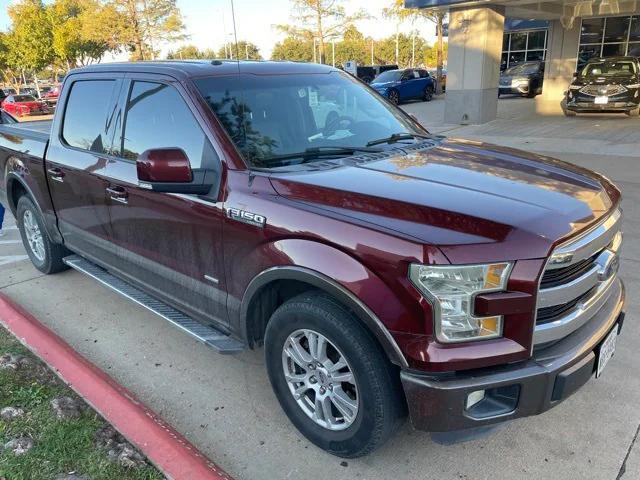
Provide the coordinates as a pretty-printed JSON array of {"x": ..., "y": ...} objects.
[
  {"x": 45, "y": 255},
  {"x": 331, "y": 377},
  {"x": 633, "y": 113}
]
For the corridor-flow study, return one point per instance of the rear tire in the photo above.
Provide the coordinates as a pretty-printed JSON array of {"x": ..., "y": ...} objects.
[
  {"x": 374, "y": 390},
  {"x": 428, "y": 94},
  {"x": 45, "y": 255}
]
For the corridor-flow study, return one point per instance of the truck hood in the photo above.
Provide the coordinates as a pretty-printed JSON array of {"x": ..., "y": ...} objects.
[{"x": 506, "y": 203}]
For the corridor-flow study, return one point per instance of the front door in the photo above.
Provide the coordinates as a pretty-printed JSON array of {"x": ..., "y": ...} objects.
[
  {"x": 168, "y": 244},
  {"x": 76, "y": 160}
]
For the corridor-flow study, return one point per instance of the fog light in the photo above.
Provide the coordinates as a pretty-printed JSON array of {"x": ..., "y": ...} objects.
[{"x": 474, "y": 397}]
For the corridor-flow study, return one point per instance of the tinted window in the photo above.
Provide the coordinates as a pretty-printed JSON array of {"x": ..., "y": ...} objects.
[
  {"x": 388, "y": 76},
  {"x": 270, "y": 116},
  {"x": 85, "y": 118},
  {"x": 158, "y": 117}
]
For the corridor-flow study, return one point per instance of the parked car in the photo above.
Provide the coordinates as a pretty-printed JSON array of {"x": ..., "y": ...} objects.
[
  {"x": 24, "y": 105},
  {"x": 288, "y": 205},
  {"x": 28, "y": 91},
  {"x": 367, "y": 73},
  {"x": 401, "y": 85},
  {"x": 51, "y": 95},
  {"x": 524, "y": 79},
  {"x": 605, "y": 85}
]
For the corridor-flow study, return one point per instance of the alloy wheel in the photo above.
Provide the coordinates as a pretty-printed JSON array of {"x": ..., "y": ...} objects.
[
  {"x": 34, "y": 235},
  {"x": 394, "y": 97},
  {"x": 320, "y": 379}
]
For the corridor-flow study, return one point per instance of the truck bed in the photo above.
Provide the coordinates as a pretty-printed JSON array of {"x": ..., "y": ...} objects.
[{"x": 37, "y": 130}]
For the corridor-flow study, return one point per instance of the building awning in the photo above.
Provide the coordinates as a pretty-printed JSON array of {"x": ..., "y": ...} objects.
[{"x": 540, "y": 10}]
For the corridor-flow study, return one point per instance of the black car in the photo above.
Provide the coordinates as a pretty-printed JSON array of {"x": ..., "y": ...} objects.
[
  {"x": 524, "y": 79},
  {"x": 605, "y": 85}
]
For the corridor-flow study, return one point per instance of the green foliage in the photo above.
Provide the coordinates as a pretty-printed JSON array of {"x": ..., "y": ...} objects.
[
  {"x": 293, "y": 48},
  {"x": 192, "y": 52},
  {"x": 60, "y": 445},
  {"x": 30, "y": 41},
  {"x": 244, "y": 50},
  {"x": 142, "y": 24},
  {"x": 73, "y": 44},
  {"x": 324, "y": 20}
]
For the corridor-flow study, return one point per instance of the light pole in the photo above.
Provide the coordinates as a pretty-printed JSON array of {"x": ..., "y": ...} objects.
[
  {"x": 314, "y": 50},
  {"x": 333, "y": 52}
]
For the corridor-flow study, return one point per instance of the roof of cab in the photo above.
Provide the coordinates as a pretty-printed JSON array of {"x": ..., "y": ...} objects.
[{"x": 199, "y": 68}]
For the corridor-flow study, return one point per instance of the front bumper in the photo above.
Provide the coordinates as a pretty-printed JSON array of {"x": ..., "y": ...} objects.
[
  {"x": 437, "y": 403},
  {"x": 521, "y": 89},
  {"x": 623, "y": 102}
]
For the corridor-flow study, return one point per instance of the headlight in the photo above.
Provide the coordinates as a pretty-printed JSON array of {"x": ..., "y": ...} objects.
[
  {"x": 451, "y": 291},
  {"x": 575, "y": 87}
]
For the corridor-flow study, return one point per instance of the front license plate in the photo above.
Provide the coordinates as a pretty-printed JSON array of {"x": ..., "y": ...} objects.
[
  {"x": 601, "y": 100},
  {"x": 606, "y": 350}
]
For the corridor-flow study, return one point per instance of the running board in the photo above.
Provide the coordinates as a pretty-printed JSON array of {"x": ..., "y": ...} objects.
[{"x": 219, "y": 341}]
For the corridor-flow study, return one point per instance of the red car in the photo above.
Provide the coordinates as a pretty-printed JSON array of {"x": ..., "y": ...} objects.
[
  {"x": 52, "y": 95},
  {"x": 22, "y": 105}
]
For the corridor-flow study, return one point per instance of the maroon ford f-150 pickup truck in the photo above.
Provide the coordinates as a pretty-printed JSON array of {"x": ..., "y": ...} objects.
[{"x": 385, "y": 270}]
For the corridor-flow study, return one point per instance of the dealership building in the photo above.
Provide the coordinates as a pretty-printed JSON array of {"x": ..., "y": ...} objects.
[{"x": 487, "y": 34}]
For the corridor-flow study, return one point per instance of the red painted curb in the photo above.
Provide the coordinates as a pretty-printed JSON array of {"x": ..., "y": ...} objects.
[{"x": 164, "y": 447}]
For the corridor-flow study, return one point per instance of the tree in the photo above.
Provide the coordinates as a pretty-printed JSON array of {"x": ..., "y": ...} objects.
[
  {"x": 191, "y": 52},
  {"x": 411, "y": 49},
  {"x": 293, "y": 48},
  {"x": 352, "y": 47},
  {"x": 397, "y": 11},
  {"x": 71, "y": 44},
  {"x": 244, "y": 51},
  {"x": 30, "y": 40},
  {"x": 145, "y": 23},
  {"x": 322, "y": 20}
]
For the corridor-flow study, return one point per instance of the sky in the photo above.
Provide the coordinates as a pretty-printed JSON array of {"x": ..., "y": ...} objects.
[{"x": 207, "y": 21}]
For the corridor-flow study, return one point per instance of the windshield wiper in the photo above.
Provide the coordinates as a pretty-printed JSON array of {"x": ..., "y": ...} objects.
[
  {"x": 396, "y": 137},
  {"x": 326, "y": 151}
]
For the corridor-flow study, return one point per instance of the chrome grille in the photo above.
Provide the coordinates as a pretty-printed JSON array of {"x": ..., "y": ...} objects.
[
  {"x": 577, "y": 280},
  {"x": 603, "y": 90}
]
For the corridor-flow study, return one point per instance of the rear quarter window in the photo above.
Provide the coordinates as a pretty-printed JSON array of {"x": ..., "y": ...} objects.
[{"x": 85, "y": 120}]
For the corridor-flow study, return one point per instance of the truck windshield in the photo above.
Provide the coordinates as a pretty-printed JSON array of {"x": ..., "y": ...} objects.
[{"x": 271, "y": 118}]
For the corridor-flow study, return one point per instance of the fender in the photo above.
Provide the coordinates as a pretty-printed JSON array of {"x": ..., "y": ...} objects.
[
  {"x": 50, "y": 221},
  {"x": 340, "y": 275}
]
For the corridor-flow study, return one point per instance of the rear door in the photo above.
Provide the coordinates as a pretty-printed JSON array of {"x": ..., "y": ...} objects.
[
  {"x": 76, "y": 160},
  {"x": 167, "y": 244}
]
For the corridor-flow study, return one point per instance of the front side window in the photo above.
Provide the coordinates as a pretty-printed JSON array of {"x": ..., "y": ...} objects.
[
  {"x": 270, "y": 116},
  {"x": 158, "y": 117},
  {"x": 85, "y": 118},
  {"x": 388, "y": 76}
]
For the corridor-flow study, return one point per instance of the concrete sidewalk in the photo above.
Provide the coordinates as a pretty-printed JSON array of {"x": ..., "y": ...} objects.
[{"x": 225, "y": 406}]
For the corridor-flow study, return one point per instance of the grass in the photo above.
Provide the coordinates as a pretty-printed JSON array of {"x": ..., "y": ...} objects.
[{"x": 61, "y": 446}]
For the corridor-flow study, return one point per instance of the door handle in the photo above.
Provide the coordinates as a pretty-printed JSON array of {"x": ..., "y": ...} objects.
[
  {"x": 56, "y": 174},
  {"x": 118, "y": 194}
]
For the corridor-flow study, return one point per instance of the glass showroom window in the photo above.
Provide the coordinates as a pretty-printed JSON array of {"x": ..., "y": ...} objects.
[
  {"x": 609, "y": 37},
  {"x": 524, "y": 46}
]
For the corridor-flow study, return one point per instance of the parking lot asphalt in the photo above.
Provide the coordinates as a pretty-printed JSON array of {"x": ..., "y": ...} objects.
[{"x": 225, "y": 406}]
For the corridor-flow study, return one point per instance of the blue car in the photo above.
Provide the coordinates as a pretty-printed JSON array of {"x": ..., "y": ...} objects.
[{"x": 407, "y": 84}]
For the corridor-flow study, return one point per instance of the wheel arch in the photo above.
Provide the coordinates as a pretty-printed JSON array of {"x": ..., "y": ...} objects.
[
  {"x": 16, "y": 188},
  {"x": 259, "y": 301}
]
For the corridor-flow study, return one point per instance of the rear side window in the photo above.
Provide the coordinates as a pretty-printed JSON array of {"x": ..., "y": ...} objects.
[
  {"x": 158, "y": 117},
  {"x": 85, "y": 119}
]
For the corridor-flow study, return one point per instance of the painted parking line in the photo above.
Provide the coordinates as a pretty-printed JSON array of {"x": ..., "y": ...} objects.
[{"x": 10, "y": 242}]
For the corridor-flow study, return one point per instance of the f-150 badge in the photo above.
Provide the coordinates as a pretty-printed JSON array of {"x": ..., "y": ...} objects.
[{"x": 246, "y": 217}]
